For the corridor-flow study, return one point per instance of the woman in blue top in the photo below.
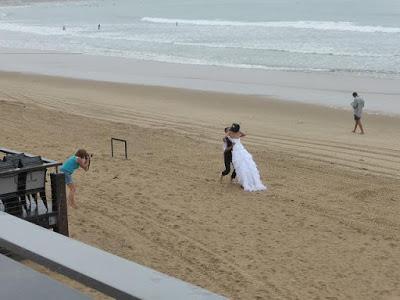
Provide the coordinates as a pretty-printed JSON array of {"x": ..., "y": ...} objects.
[{"x": 80, "y": 159}]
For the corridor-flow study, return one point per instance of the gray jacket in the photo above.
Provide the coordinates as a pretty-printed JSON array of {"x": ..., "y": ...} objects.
[{"x": 358, "y": 105}]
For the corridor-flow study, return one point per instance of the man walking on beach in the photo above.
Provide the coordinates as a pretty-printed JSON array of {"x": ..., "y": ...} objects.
[{"x": 358, "y": 105}]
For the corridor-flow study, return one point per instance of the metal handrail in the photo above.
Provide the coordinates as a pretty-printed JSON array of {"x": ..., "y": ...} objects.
[
  {"x": 29, "y": 169},
  {"x": 9, "y": 151},
  {"x": 49, "y": 163}
]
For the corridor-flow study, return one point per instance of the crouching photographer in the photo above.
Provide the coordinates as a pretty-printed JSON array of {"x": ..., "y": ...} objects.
[{"x": 80, "y": 159}]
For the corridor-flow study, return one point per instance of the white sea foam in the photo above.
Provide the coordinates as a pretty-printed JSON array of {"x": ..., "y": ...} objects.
[
  {"x": 291, "y": 49},
  {"x": 280, "y": 45},
  {"x": 35, "y": 29},
  {"x": 316, "y": 25},
  {"x": 87, "y": 32},
  {"x": 165, "y": 58}
]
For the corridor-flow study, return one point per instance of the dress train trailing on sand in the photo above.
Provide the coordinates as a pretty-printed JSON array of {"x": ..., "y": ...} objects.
[{"x": 246, "y": 169}]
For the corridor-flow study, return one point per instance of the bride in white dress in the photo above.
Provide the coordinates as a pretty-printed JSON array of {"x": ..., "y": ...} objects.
[{"x": 245, "y": 167}]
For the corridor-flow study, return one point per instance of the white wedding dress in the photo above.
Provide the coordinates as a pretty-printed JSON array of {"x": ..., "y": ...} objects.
[{"x": 245, "y": 167}]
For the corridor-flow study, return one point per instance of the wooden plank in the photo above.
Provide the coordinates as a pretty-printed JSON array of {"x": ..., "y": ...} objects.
[
  {"x": 18, "y": 282},
  {"x": 108, "y": 273},
  {"x": 59, "y": 203}
]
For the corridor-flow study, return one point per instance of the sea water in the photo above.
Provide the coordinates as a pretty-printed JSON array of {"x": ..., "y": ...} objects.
[{"x": 357, "y": 36}]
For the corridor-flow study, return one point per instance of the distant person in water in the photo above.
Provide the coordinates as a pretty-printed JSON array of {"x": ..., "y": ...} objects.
[
  {"x": 358, "y": 105},
  {"x": 64, "y": 27},
  {"x": 80, "y": 159},
  {"x": 98, "y": 27}
]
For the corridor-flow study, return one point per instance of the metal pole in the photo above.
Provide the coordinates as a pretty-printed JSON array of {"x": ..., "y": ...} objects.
[{"x": 126, "y": 150}]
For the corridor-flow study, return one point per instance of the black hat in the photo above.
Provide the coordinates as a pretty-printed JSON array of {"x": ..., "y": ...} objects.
[{"x": 235, "y": 127}]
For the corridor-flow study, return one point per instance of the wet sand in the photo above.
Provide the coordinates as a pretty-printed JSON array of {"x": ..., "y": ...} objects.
[{"x": 323, "y": 88}]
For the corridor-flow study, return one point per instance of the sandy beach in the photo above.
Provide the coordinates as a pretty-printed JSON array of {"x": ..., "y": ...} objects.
[{"x": 327, "y": 228}]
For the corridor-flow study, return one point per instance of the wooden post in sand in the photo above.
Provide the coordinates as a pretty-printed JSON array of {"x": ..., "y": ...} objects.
[{"x": 59, "y": 202}]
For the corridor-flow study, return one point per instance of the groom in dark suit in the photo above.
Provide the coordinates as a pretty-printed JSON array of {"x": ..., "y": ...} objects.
[{"x": 228, "y": 145}]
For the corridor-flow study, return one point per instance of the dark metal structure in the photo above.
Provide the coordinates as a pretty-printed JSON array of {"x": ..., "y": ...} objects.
[
  {"x": 119, "y": 140},
  {"x": 23, "y": 191}
]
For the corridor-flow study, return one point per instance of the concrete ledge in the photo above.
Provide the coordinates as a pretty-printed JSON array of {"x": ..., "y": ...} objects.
[
  {"x": 18, "y": 282},
  {"x": 108, "y": 273}
]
